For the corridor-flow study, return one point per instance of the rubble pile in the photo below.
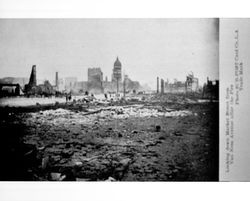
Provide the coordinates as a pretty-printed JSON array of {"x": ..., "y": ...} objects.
[
  {"x": 133, "y": 140},
  {"x": 103, "y": 113},
  {"x": 172, "y": 98},
  {"x": 140, "y": 112}
]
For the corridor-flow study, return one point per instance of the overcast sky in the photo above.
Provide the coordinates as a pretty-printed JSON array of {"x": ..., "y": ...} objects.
[{"x": 147, "y": 48}]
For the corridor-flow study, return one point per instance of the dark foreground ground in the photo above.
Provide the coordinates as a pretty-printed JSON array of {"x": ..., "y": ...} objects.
[{"x": 157, "y": 139}]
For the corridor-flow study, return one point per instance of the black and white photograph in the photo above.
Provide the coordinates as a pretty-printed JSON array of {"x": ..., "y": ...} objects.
[{"x": 93, "y": 99}]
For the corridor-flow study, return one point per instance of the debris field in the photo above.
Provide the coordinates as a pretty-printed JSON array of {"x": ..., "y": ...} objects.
[{"x": 153, "y": 138}]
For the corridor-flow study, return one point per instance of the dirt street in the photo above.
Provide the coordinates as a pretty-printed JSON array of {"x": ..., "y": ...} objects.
[{"x": 150, "y": 139}]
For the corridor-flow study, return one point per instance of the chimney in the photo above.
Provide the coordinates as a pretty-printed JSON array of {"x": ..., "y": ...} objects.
[
  {"x": 32, "y": 80},
  {"x": 57, "y": 81},
  {"x": 162, "y": 86}
]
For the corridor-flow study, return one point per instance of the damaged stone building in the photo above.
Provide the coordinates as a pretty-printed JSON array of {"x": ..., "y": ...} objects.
[
  {"x": 10, "y": 90},
  {"x": 118, "y": 83},
  {"x": 95, "y": 80},
  {"x": 211, "y": 89},
  {"x": 12, "y": 86},
  {"x": 175, "y": 87},
  {"x": 190, "y": 85},
  {"x": 96, "y": 83},
  {"x": 69, "y": 84},
  {"x": 32, "y": 88}
]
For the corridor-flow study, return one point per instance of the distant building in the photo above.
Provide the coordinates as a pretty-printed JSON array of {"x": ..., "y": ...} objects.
[
  {"x": 190, "y": 85},
  {"x": 70, "y": 83},
  {"x": 10, "y": 90},
  {"x": 95, "y": 80},
  {"x": 96, "y": 83},
  {"x": 95, "y": 75},
  {"x": 61, "y": 85},
  {"x": 211, "y": 89},
  {"x": 117, "y": 71},
  {"x": 45, "y": 89},
  {"x": 131, "y": 85},
  {"x": 15, "y": 80},
  {"x": 81, "y": 87},
  {"x": 175, "y": 87}
]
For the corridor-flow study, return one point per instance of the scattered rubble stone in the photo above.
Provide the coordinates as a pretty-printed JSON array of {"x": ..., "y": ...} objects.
[
  {"x": 124, "y": 140},
  {"x": 177, "y": 133},
  {"x": 157, "y": 128},
  {"x": 110, "y": 179},
  {"x": 57, "y": 176},
  {"x": 45, "y": 162}
]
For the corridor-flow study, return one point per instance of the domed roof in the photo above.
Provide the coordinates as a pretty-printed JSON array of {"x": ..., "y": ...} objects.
[{"x": 117, "y": 62}]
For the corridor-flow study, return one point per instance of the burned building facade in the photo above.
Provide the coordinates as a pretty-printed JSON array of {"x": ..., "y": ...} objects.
[
  {"x": 175, "y": 87},
  {"x": 12, "y": 86},
  {"x": 45, "y": 89},
  {"x": 190, "y": 85},
  {"x": 32, "y": 88},
  {"x": 70, "y": 83},
  {"x": 95, "y": 80},
  {"x": 96, "y": 84},
  {"x": 10, "y": 90},
  {"x": 211, "y": 89}
]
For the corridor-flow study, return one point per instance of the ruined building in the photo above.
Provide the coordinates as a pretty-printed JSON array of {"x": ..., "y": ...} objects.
[
  {"x": 95, "y": 80},
  {"x": 130, "y": 85},
  {"x": 70, "y": 83},
  {"x": 175, "y": 87},
  {"x": 192, "y": 83},
  {"x": 15, "y": 80},
  {"x": 59, "y": 86},
  {"x": 10, "y": 90},
  {"x": 96, "y": 83},
  {"x": 30, "y": 88},
  {"x": 45, "y": 89},
  {"x": 117, "y": 84},
  {"x": 95, "y": 75},
  {"x": 12, "y": 86},
  {"x": 211, "y": 89}
]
